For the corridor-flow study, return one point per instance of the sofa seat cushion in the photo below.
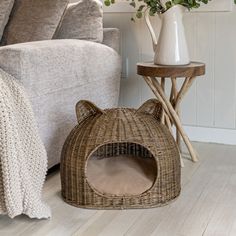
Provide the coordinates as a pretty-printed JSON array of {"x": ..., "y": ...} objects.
[
  {"x": 82, "y": 20},
  {"x": 33, "y": 20},
  {"x": 5, "y": 10}
]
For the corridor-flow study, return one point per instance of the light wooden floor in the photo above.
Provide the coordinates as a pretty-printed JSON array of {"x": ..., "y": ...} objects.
[{"x": 207, "y": 206}]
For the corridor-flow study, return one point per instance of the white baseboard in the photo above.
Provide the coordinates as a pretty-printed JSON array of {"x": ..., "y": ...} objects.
[{"x": 211, "y": 135}]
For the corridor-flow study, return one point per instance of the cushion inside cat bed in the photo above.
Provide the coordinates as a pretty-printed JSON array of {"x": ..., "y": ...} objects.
[{"x": 122, "y": 174}]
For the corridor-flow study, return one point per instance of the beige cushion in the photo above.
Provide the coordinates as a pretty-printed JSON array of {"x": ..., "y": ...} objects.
[
  {"x": 121, "y": 175},
  {"x": 33, "y": 20},
  {"x": 5, "y": 10},
  {"x": 82, "y": 20}
]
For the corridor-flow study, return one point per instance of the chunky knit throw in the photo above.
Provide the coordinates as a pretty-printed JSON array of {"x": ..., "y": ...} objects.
[{"x": 23, "y": 159}]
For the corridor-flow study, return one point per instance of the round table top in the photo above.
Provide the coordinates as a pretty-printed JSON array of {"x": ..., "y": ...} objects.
[{"x": 191, "y": 70}]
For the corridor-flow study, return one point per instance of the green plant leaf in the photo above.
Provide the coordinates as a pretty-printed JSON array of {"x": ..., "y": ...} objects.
[
  {"x": 107, "y": 3},
  {"x": 139, "y": 14},
  {"x": 133, "y": 4},
  {"x": 141, "y": 7}
]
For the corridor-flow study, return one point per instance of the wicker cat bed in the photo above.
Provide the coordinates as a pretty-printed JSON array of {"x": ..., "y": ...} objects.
[{"x": 120, "y": 158}]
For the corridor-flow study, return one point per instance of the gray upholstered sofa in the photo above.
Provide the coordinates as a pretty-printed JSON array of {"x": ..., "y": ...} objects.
[{"x": 57, "y": 74}]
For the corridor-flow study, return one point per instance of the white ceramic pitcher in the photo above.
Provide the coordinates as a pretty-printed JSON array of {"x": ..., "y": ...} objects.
[{"x": 171, "y": 47}]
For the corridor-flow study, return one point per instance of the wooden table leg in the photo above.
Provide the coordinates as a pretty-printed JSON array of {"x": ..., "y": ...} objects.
[
  {"x": 158, "y": 91},
  {"x": 165, "y": 118},
  {"x": 173, "y": 99},
  {"x": 178, "y": 98},
  {"x": 163, "y": 87},
  {"x": 177, "y": 109}
]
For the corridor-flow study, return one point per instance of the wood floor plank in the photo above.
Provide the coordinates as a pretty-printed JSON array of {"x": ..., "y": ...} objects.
[
  {"x": 121, "y": 223},
  {"x": 147, "y": 222},
  {"x": 97, "y": 223},
  {"x": 203, "y": 209},
  {"x": 223, "y": 219},
  {"x": 106, "y": 222},
  {"x": 192, "y": 193}
]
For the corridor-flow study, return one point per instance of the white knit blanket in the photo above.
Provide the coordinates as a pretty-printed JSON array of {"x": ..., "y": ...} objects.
[{"x": 23, "y": 159}]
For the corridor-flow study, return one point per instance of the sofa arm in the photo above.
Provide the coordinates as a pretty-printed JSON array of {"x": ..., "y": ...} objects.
[
  {"x": 48, "y": 66},
  {"x": 111, "y": 38}
]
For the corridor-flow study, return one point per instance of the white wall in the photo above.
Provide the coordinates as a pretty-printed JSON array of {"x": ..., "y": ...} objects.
[{"x": 211, "y": 103}]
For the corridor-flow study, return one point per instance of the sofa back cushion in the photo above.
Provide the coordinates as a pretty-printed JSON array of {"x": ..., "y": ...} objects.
[
  {"x": 82, "y": 20},
  {"x": 5, "y": 10},
  {"x": 33, "y": 20}
]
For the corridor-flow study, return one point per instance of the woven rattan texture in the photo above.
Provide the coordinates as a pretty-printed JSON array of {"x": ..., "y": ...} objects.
[{"x": 119, "y": 131}]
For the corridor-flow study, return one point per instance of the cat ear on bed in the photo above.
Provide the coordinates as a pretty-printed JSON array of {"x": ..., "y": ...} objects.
[
  {"x": 85, "y": 109},
  {"x": 152, "y": 107}
]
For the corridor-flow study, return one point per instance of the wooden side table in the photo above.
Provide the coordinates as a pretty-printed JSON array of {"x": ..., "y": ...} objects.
[{"x": 155, "y": 76}]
